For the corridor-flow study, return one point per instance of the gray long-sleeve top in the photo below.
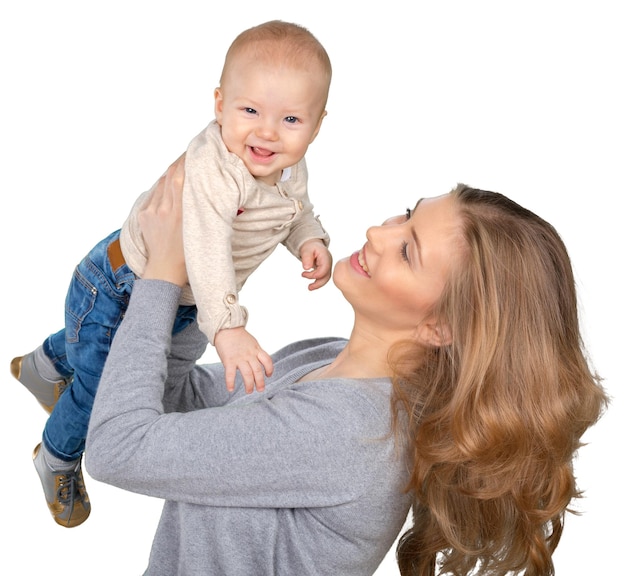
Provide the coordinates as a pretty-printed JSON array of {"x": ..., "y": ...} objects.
[{"x": 301, "y": 479}]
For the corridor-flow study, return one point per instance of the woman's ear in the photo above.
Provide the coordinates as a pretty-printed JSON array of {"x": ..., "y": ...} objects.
[{"x": 434, "y": 333}]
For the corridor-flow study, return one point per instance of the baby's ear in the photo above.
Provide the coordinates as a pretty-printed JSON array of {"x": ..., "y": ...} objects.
[
  {"x": 219, "y": 105},
  {"x": 319, "y": 125},
  {"x": 434, "y": 333}
]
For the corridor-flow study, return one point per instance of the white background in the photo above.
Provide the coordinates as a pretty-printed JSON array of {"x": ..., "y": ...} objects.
[{"x": 97, "y": 99}]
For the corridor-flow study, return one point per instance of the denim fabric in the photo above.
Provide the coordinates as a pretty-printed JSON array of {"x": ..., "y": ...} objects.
[{"x": 94, "y": 307}]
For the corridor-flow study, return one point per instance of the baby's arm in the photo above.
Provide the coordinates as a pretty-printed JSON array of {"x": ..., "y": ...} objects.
[
  {"x": 239, "y": 350},
  {"x": 317, "y": 262}
]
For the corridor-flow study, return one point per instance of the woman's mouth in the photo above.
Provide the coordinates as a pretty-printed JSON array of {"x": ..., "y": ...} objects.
[{"x": 357, "y": 260}]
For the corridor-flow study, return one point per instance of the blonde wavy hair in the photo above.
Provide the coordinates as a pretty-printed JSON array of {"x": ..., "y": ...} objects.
[{"x": 495, "y": 417}]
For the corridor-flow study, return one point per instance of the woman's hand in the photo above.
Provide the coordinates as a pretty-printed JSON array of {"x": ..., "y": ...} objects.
[{"x": 160, "y": 219}]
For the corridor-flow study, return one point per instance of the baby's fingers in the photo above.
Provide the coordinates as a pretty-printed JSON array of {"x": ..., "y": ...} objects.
[
  {"x": 266, "y": 361},
  {"x": 229, "y": 373},
  {"x": 253, "y": 376}
]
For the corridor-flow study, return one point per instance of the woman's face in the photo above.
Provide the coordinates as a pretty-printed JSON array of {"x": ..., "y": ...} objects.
[{"x": 398, "y": 275}]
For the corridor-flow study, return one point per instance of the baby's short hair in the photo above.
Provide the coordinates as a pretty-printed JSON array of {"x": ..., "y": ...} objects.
[{"x": 288, "y": 43}]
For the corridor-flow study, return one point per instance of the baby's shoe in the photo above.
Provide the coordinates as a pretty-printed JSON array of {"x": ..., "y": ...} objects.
[
  {"x": 46, "y": 391},
  {"x": 64, "y": 490}
]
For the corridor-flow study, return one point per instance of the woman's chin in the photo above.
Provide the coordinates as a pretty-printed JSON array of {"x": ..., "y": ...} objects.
[{"x": 343, "y": 276}]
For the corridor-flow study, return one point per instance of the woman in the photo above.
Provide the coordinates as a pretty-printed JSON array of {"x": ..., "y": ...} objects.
[{"x": 463, "y": 391}]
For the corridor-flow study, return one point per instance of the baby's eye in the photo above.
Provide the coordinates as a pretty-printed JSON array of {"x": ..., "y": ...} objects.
[
  {"x": 250, "y": 110},
  {"x": 291, "y": 119}
]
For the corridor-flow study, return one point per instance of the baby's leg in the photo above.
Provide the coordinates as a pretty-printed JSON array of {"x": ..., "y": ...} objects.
[{"x": 95, "y": 304}]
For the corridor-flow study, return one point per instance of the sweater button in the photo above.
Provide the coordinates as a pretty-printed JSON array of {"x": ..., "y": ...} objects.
[{"x": 231, "y": 299}]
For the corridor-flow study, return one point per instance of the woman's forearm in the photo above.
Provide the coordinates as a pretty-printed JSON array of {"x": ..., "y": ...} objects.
[{"x": 135, "y": 372}]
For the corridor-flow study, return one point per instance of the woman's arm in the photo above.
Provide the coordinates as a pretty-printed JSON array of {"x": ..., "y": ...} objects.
[
  {"x": 314, "y": 444},
  {"x": 309, "y": 445}
]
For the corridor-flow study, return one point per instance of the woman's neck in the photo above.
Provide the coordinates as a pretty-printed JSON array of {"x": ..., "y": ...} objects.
[{"x": 361, "y": 358}]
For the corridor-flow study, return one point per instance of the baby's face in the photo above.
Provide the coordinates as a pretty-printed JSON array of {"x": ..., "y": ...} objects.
[{"x": 269, "y": 114}]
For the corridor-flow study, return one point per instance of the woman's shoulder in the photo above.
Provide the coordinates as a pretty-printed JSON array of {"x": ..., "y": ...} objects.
[{"x": 316, "y": 348}]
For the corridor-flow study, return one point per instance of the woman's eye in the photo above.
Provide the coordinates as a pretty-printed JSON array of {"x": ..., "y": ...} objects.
[
  {"x": 408, "y": 213},
  {"x": 404, "y": 251}
]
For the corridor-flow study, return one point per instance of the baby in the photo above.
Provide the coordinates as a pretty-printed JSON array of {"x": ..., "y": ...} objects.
[{"x": 245, "y": 191}]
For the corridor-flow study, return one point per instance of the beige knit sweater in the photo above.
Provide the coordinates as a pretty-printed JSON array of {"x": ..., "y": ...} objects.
[{"x": 231, "y": 223}]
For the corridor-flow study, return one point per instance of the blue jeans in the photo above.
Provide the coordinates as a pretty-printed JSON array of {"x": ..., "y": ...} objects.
[{"x": 94, "y": 307}]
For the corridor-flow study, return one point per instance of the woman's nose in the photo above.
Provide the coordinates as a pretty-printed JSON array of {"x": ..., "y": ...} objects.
[
  {"x": 377, "y": 235},
  {"x": 374, "y": 235}
]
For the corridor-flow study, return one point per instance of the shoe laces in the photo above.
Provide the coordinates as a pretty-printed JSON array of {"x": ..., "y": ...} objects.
[{"x": 71, "y": 487}]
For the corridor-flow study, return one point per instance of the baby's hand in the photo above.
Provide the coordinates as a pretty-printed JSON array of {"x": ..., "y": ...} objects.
[
  {"x": 239, "y": 350},
  {"x": 317, "y": 262}
]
